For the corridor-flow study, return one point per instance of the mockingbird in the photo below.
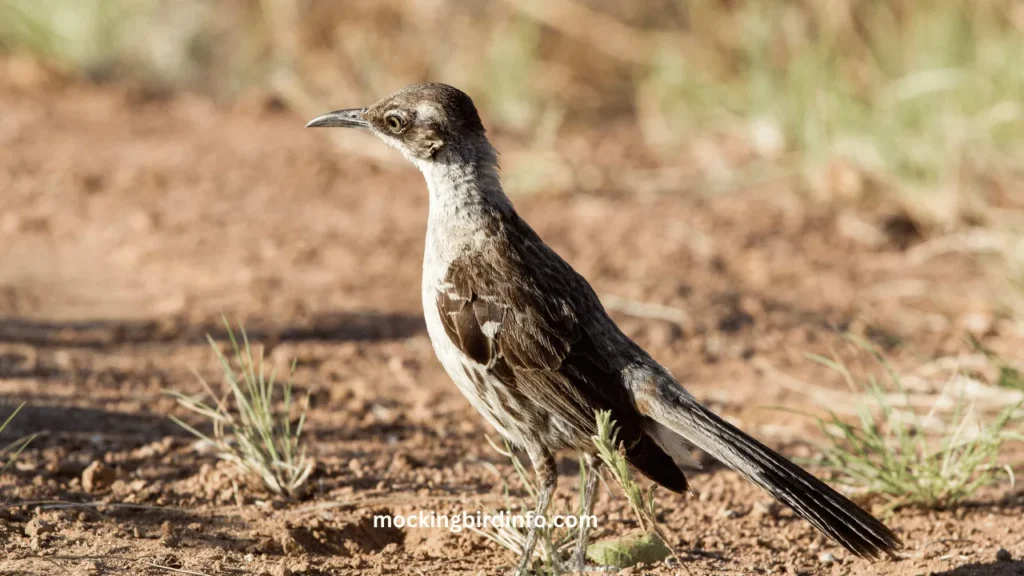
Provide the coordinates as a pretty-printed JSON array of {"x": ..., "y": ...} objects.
[{"x": 526, "y": 339}]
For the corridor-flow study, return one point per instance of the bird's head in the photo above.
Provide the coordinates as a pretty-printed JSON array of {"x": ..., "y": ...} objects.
[{"x": 428, "y": 123}]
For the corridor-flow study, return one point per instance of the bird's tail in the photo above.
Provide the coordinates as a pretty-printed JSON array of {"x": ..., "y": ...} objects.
[{"x": 832, "y": 513}]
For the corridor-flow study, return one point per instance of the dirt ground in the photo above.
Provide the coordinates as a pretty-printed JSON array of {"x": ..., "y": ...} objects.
[{"x": 130, "y": 221}]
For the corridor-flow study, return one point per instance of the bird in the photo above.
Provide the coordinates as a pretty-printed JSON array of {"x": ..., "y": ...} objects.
[{"x": 526, "y": 339}]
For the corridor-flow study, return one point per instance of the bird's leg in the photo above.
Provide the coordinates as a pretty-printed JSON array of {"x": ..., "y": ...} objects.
[
  {"x": 593, "y": 469},
  {"x": 547, "y": 475}
]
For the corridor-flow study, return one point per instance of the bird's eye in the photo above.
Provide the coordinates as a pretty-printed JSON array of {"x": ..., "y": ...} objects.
[{"x": 395, "y": 123}]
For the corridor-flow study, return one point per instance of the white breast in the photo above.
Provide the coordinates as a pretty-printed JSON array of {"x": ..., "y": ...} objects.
[{"x": 484, "y": 394}]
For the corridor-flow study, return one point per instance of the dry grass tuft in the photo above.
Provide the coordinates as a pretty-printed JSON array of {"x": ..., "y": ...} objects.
[
  {"x": 252, "y": 420},
  {"x": 910, "y": 447}
]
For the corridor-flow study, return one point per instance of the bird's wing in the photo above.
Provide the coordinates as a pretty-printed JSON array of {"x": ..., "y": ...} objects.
[
  {"x": 524, "y": 313},
  {"x": 519, "y": 309},
  {"x": 524, "y": 327}
]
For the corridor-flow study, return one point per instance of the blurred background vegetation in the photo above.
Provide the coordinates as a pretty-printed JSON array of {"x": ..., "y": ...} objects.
[{"x": 913, "y": 105}]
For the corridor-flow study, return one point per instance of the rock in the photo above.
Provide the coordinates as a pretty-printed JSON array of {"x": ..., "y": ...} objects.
[
  {"x": 355, "y": 466},
  {"x": 98, "y": 476},
  {"x": 170, "y": 561},
  {"x": 168, "y": 537},
  {"x": 632, "y": 550},
  {"x": 728, "y": 513},
  {"x": 38, "y": 527},
  {"x": 766, "y": 509},
  {"x": 826, "y": 558},
  {"x": 1003, "y": 555}
]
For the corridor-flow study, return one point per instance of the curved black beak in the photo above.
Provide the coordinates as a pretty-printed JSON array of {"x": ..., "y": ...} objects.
[{"x": 351, "y": 118}]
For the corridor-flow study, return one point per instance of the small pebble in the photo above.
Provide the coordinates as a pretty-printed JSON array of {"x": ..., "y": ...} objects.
[
  {"x": 766, "y": 509},
  {"x": 826, "y": 558},
  {"x": 728, "y": 513},
  {"x": 38, "y": 527},
  {"x": 168, "y": 537},
  {"x": 1003, "y": 555},
  {"x": 97, "y": 476}
]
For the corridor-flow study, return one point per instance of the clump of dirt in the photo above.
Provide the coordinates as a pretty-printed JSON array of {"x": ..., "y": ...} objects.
[{"x": 97, "y": 476}]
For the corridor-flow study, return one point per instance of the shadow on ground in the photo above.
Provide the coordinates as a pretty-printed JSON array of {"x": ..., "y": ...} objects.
[
  {"x": 995, "y": 568},
  {"x": 65, "y": 423},
  {"x": 332, "y": 327}
]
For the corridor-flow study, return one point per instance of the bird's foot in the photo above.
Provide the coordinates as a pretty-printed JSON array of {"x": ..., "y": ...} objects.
[{"x": 576, "y": 565}]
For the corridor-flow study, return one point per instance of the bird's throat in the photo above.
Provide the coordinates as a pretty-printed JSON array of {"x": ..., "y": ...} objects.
[
  {"x": 464, "y": 185},
  {"x": 467, "y": 202}
]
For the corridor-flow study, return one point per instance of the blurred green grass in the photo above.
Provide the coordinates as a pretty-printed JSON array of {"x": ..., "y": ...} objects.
[{"x": 918, "y": 102}]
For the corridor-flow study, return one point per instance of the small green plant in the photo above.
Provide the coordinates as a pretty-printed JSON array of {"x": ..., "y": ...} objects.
[
  {"x": 610, "y": 451},
  {"x": 14, "y": 448},
  {"x": 254, "y": 435},
  {"x": 649, "y": 547},
  {"x": 906, "y": 458}
]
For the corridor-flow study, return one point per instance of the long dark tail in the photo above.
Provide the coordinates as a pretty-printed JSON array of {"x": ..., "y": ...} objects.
[{"x": 829, "y": 511}]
